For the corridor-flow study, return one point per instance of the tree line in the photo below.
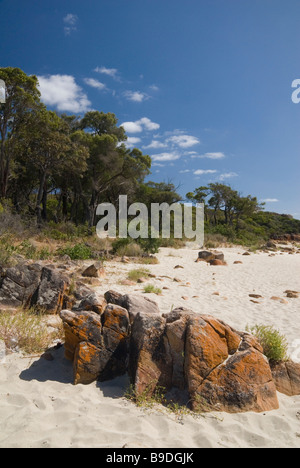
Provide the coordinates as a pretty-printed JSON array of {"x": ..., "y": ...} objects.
[
  {"x": 76, "y": 162},
  {"x": 60, "y": 167}
]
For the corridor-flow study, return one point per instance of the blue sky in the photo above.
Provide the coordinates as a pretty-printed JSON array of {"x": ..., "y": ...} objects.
[{"x": 202, "y": 86}]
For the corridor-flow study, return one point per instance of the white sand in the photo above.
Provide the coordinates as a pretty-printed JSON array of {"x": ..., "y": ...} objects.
[{"x": 39, "y": 406}]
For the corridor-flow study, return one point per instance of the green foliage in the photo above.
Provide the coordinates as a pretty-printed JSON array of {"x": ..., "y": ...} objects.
[
  {"x": 152, "y": 289},
  {"x": 150, "y": 245},
  {"x": 6, "y": 252},
  {"x": 274, "y": 344},
  {"x": 135, "y": 275},
  {"x": 76, "y": 252},
  {"x": 65, "y": 231}
]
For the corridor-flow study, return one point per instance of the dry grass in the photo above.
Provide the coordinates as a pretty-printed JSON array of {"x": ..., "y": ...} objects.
[{"x": 25, "y": 330}]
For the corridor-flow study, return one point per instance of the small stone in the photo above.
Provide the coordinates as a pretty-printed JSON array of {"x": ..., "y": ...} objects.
[
  {"x": 142, "y": 280},
  {"x": 128, "y": 283},
  {"x": 279, "y": 299},
  {"x": 95, "y": 271},
  {"x": 292, "y": 295}
]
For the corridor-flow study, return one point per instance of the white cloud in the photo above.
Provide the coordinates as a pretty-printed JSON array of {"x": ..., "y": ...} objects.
[
  {"x": 164, "y": 157},
  {"x": 203, "y": 171},
  {"x": 270, "y": 200},
  {"x": 95, "y": 83},
  {"x": 209, "y": 156},
  {"x": 63, "y": 93},
  {"x": 132, "y": 127},
  {"x": 148, "y": 124},
  {"x": 228, "y": 175},
  {"x": 70, "y": 21},
  {"x": 132, "y": 141},
  {"x": 136, "y": 96},
  {"x": 112, "y": 72},
  {"x": 183, "y": 141},
  {"x": 185, "y": 171},
  {"x": 139, "y": 125},
  {"x": 154, "y": 88},
  {"x": 155, "y": 144}
]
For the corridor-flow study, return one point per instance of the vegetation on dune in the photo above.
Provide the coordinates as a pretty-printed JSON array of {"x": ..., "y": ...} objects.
[
  {"x": 274, "y": 344},
  {"x": 55, "y": 169}
]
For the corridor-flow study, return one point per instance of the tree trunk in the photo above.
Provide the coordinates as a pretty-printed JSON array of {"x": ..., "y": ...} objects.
[
  {"x": 44, "y": 203},
  {"x": 39, "y": 199}
]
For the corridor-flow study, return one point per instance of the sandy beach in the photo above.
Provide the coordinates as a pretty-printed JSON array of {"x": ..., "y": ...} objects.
[{"x": 40, "y": 407}]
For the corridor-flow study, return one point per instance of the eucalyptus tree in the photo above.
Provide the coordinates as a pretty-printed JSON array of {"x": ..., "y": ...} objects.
[{"x": 22, "y": 98}]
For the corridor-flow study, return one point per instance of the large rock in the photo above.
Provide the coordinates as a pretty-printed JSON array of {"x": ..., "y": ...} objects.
[
  {"x": 220, "y": 368},
  {"x": 226, "y": 370},
  {"x": 133, "y": 303},
  {"x": 175, "y": 333},
  {"x": 52, "y": 291},
  {"x": 136, "y": 304},
  {"x": 210, "y": 256},
  {"x": 27, "y": 285},
  {"x": 18, "y": 284},
  {"x": 98, "y": 346},
  {"x": 94, "y": 302},
  {"x": 286, "y": 376},
  {"x": 149, "y": 363}
]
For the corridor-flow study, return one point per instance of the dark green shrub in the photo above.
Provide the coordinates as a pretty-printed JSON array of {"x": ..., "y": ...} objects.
[{"x": 76, "y": 252}]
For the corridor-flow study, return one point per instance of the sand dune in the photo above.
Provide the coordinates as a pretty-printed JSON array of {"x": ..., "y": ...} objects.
[{"x": 39, "y": 406}]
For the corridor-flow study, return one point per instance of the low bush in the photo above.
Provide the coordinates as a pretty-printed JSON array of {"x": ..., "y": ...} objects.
[
  {"x": 274, "y": 344},
  {"x": 152, "y": 289},
  {"x": 135, "y": 275},
  {"x": 76, "y": 252}
]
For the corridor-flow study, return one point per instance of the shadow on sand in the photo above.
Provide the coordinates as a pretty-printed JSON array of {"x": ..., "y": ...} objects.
[{"x": 61, "y": 370}]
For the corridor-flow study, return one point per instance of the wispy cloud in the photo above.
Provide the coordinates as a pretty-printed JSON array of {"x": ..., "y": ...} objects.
[
  {"x": 208, "y": 156},
  {"x": 270, "y": 200},
  {"x": 165, "y": 157},
  {"x": 136, "y": 96},
  {"x": 227, "y": 175},
  {"x": 205, "y": 171},
  {"x": 63, "y": 93},
  {"x": 95, "y": 83},
  {"x": 70, "y": 21},
  {"x": 139, "y": 125},
  {"x": 112, "y": 72},
  {"x": 155, "y": 144}
]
